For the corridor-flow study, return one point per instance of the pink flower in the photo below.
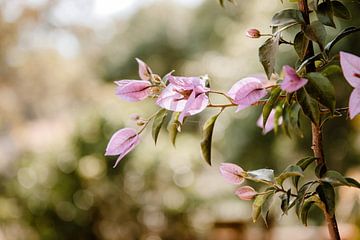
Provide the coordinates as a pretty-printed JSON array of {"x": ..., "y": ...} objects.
[
  {"x": 144, "y": 70},
  {"x": 246, "y": 193},
  {"x": 292, "y": 82},
  {"x": 121, "y": 143},
  {"x": 184, "y": 94},
  {"x": 133, "y": 90},
  {"x": 247, "y": 92},
  {"x": 232, "y": 173},
  {"x": 270, "y": 122},
  {"x": 350, "y": 65},
  {"x": 136, "y": 90}
]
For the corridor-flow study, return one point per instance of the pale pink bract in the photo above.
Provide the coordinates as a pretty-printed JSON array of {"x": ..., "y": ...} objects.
[
  {"x": 144, "y": 70},
  {"x": 133, "y": 90},
  {"x": 184, "y": 94},
  {"x": 121, "y": 143},
  {"x": 350, "y": 65},
  {"x": 270, "y": 122},
  {"x": 292, "y": 82},
  {"x": 246, "y": 92},
  {"x": 246, "y": 193},
  {"x": 232, "y": 173}
]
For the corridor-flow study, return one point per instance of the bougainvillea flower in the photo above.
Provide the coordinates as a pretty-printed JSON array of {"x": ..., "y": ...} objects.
[
  {"x": 350, "y": 65},
  {"x": 184, "y": 94},
  {"x": 246, "y": 193},
  {"x": 270, "y": 122},
  {"x": 232, "y": 173},
  {"x": 144, "y": 70},
  {"x": 292, "y": 82},
  {"x": 133, "y": 90},
  {"x": 246, "y": 92},
  {"x": 121, "y": 143}
]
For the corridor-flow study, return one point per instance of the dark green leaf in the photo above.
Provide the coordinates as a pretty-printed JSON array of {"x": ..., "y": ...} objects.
[
  {"x": 303, "y": 164},
  {"x": 352, "y": 182},
  {"x": 301, "y": 44},
  {"x": 325, "y": 13},
  {"x": 309, "y": 106},
  {"x": 258, "y": 203},
  {"x": 320, "y": 88},
  {"x": 174, "y": 127},
  {"x": 305, "y": 210},
  {"x": 291, "y": 119},
  {"x": 262, "y": 174},
  {"x": 286, "y": 17},
  {"x": 320, "y": 170},
  {"x": 334, "y": 178},
  {"x": 340, "y": 36},
  {"x": 340, "y": 10},
  {"x": 301, "y": 197},
  {"x": 331, "y": 69},
  {"x": 267, "y": 54},
  {"x": 274, "y": 96},
  {"x": 326, "y": 193},
  {"x": 158, "y": 122},
  {"x": 290, "y": 171},
  {"x": 316, "y": 32},
  {"x": 208, "y": 129},
  {"x": 285, "y": 201}
]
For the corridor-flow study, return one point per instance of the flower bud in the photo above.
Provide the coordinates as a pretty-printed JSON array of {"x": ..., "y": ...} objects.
[
  {"x": 141, "y": 122},
  {"x": 253, "y": 33}
]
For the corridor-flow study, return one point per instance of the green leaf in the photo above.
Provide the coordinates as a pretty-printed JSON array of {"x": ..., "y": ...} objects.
[
  {"x": 305, "y": 211},
  {"x": 309, "y": 106},
  {"x": 157, "y": 123},
  {"x": 174, "y": 127},
  {"x": 258, "y": 203},
  {"x": 286, "y": 17},
  {"x": 340, "y": 36},
  {"x": 267, "y": 54},
  {"x": 301, "y": 43},
  {"x": 302, "y": 193},
  {"x": 291, "y": 119},
  {"x": 208, "y": 129},
  {"x": 316, "y": 32},
  {"x": 325, "y": 13},
  {"x": 285, "y": 201},
  {"x": 278, "y": 114},
  {"x": 320, "y": 170},
  {"x": 340, "y": 10},
  {"x": 274, "y": 96},
  {"x": 290, "y": 171},
  {"x": 262, "y": 174},
  {"x": 326, "y": 193},
  {"x": 334, "y": 178},
  {"x": 352, "y": 182},
  {"x": 303, "y": 164},
  {"x": 331, "y": 70},
  {"x": 265, "y": 208},
  {"x": 320, "y": 88}
]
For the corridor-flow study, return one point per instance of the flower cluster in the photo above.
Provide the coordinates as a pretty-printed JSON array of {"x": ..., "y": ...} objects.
[{"x": 190, "y": 95}]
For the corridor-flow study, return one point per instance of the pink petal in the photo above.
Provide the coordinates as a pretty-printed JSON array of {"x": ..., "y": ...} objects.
[
  {"x": 292, "y": 82},
  {"x": 144, "y": 70},
  {"x": 350, "y": 65},
  {"x": 133, "y": 90},
  {"x": 232, "y": 173},
  {"x": 270, "y": 123},
  {"x": 354, "y": 103},
  {"x": 246, "y": 193},
  {"x": 194, "y": 105},
  {"x": 186, "y": 83},
  {"x": 247, "y": 92},
  {"x": 118, "y": 139},
  {"x": 171, "y": 99}
]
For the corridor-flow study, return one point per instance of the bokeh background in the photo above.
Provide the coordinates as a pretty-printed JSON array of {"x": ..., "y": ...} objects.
[{"x": 58, "y": 61}]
